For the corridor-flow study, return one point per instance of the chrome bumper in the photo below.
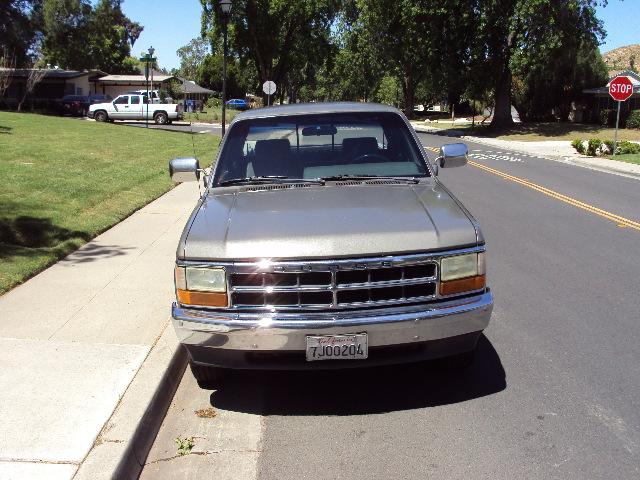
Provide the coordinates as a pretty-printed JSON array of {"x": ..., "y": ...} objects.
[{"x": 274, "y": 332}]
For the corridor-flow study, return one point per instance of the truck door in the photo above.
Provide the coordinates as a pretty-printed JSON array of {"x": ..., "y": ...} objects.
[
  {"x": 135, "y": 107},
  {"x": 119, "y": 108}
]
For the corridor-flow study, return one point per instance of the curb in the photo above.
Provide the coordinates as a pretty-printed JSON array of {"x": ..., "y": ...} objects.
[
  {"x": 554, "y": 158},
  {"x": 135, "y": 455},
  {"x": 121, "y": 449}
]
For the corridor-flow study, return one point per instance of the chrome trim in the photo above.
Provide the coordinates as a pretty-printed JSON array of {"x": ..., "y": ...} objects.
[
  {"x": 333, "y": 266},
  {"x": 256, "y": 266},
  {"x": 273, "y": 331}
]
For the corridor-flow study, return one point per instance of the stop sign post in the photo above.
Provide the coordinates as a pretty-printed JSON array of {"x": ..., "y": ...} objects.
[{"x": 620, "y": 89}]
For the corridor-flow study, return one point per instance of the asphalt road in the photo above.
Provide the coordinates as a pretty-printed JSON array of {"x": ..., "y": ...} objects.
[{"x": 555, "y": 390}]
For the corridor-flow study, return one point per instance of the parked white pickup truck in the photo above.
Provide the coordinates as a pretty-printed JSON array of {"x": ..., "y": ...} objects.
[{"x": 133, "y": 107}]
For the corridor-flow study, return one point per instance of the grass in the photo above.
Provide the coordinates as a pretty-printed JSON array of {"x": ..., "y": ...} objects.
[
  {"x": 66, "y": 180},
  {"x": 210, "y": 115},
  {"x": 541, "y": 131},
  {"x": 629, "y": 158}
]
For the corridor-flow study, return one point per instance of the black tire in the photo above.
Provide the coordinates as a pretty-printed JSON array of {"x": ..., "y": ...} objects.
[
  {"x": 160, "y": 118},
  {"x": 207, "y": 377},
  {"x": 101, "y": 116}
]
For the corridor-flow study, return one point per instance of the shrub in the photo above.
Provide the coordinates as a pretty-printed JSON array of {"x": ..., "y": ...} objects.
[
  {"x": 627, "y": 147},
  {"x": 609, "y": 144},
  {"x": 594, "y": 147},
  {"x": 579, "y": 146},
  {"x": 633, "y": 120}
]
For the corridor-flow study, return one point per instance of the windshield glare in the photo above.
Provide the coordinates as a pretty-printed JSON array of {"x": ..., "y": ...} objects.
[{"x": 316, "y": 146}]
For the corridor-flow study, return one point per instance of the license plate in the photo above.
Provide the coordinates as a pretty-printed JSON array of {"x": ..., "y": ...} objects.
[{"x": 337, "y": 347}]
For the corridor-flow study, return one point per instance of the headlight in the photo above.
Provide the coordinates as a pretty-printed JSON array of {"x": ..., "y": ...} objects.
[
  {"x": 462, "y": 273},
  {"x": 201, "y": 286}
]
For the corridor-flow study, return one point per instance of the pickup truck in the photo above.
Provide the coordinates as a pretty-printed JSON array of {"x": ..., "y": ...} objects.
[
  {"x": 325, "y": 239},
  {"x": 133, "y": 107}
]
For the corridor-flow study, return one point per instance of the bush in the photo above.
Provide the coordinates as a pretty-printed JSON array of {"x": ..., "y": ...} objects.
[
  {"x": 594, "y": 147},
  {"x": 627, "y": 147},
  {"x": 579, "y": 146},
  {"x": 633, "y": 120}
]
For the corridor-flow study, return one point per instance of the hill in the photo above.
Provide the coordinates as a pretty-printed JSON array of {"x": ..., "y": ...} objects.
[{"x": 623, "y": 58}]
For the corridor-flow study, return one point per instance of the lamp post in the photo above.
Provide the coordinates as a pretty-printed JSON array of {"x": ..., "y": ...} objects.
[
  {"x": 225, "y": 8},
  {"x": 148, "y": 58}
]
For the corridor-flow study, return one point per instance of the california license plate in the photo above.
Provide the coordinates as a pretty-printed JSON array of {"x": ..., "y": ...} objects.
[{"x": 337, "y": 347}]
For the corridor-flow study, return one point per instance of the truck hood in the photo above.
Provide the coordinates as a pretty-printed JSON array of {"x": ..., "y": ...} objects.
[{"x": 326, "y": 221}]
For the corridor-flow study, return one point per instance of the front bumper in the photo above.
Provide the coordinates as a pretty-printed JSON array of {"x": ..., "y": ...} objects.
[
  {"x": 237, "y": 339},
  {"x": 90, "y": 114}
]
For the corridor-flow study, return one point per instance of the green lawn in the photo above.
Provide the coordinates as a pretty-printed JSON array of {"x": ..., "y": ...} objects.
[
  {"x": 211, "y": 115},
  {"x": 629, "y": 158},
  {"x": 541, "y": 131},
  {"x": 64, "y": 181}
]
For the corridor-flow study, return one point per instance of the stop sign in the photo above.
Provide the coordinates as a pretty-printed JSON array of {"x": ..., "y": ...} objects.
[{"x": 621, "y": 88}]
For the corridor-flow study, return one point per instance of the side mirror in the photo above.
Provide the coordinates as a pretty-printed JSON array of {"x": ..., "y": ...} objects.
[
  {"x": 453, "y": 155},
  {"x": 184, "y": 169}
]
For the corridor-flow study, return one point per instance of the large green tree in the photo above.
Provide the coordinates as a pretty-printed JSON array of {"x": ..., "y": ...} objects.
[
  {"x": 19, "y": 25},
  {"x": 273, "y": 35},
  {"x": 78, "y": 35},
  {"x": 191, "y": 56},
  {"x": 518, "y": 36}
]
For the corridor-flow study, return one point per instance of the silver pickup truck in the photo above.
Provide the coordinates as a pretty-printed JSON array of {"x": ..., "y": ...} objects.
[{"x": 324, "y": 239}]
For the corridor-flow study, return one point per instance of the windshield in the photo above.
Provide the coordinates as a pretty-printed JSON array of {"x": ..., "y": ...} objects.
[{"x": 319, "y": 146}]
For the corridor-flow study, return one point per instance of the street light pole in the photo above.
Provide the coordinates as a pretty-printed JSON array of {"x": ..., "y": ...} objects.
[
  {"x": 147, "y": 58},
  {"x": 225, "y": 8}
]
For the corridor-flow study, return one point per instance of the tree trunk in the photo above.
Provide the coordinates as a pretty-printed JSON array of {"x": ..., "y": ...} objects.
[
  {"x": 502, "y": 109},
  {"x": 408, "y": 91}
]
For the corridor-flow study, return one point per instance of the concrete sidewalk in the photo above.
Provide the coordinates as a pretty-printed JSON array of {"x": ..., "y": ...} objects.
[
  {"x": 558, "y": 150},
  {"x": 73, "y": 338}
]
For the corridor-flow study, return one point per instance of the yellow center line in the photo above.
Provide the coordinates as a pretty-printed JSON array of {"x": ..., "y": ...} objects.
[{"x": 621, "y": 221}]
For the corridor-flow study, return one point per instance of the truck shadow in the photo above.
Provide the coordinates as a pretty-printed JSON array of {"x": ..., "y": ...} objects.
[{"x": 362, "y": 391}]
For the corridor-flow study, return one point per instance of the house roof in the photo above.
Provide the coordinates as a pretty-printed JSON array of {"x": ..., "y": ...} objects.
[
  {"x": 133, "y": 78},
  {"x": 635, "y": 80},
  {"x": 189, "y": 86},
  {"x": 54, "y": 72}
]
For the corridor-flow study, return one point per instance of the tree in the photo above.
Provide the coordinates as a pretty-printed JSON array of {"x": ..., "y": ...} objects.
[
  {"x": 404, "y": 38},
  {"x": 192, "y": 56},
  {"x": 34, "y": 77},
  {"x": 522, "y": 34},
  {"x": 77, "y": 35},
  {"x": 111, "y": 36},
  {"x": 7, "y": 67},
  {"x": 19, "y": 25},
  {"x": 269, "y": 32}
]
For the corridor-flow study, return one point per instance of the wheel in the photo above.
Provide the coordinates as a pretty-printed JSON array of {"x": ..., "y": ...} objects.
[
  {"x": 207, "y": 377},
  {"x": 160, "y": 118},
  {"x": 101, "y": 116}
]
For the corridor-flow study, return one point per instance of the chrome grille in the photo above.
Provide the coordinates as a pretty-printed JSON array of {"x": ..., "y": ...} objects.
[{"x": 343, "y": 284}]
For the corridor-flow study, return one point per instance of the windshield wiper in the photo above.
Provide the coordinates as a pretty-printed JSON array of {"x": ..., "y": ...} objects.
[
  {"x": 268, "y": 179},
  {"x": 371, "y": 177}
]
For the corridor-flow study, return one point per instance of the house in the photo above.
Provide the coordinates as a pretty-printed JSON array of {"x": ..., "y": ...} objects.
[
  {"x": 115, "y": 85},
  {"x": 55, "y": 84},
  {"x": 601, "y": 100}
]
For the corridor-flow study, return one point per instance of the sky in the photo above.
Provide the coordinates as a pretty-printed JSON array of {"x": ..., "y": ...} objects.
[{"x": 170, "y": 24}]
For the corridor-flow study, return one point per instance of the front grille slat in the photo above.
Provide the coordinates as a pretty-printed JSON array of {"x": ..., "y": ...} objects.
[{"x": 326, "y": 286}]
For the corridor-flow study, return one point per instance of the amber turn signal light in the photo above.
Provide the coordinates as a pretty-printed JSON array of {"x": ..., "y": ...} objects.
[
  {"x": 462, "y": 285},
  {"x": 205, "y": 299}
]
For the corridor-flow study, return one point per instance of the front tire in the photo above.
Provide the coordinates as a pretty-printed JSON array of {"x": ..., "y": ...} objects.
[
  {"x": 101, "y": 116},
  {"x": 160, "y": 118},
  {"x": 207, "y": 377}
]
